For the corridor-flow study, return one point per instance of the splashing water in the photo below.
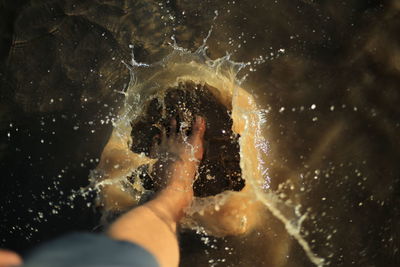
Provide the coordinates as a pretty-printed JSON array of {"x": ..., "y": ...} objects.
[{"x": 151, "y": 81}]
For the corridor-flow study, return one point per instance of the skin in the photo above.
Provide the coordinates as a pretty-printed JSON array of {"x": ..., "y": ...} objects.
[
  {"x": 154, "y": 224},
  {"x": 9, "y": 258}
]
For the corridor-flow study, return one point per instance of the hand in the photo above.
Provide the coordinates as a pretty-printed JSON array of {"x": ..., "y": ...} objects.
[
  {"x": 176, "y": 143},
  {"x": 185, "y": 152}
]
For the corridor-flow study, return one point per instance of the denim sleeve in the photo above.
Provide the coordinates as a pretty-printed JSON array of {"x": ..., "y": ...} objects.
[{"x": 86, "y": 249}]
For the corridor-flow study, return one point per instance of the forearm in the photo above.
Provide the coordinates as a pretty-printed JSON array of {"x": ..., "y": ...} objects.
[
  {"x": 153, "y": 225},
  {"x": 161, "y": 215},
  {"x": 160, "y": 241}
]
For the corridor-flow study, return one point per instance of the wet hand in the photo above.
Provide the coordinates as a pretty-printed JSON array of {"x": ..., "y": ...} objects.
[
  {"x": 176, "y": 144},
  {"x": 184, "y": 153}
]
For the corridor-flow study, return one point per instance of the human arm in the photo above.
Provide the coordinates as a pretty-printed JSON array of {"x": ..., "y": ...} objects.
[{"x": 153, "y": 225}]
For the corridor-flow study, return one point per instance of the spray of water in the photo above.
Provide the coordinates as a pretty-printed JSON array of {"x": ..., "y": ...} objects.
[{"x": 181, "y": 65}]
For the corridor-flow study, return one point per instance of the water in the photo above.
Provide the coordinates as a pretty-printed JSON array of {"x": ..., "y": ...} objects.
[
  {"x": 324, "y": 79},
  {"x": 220, "y": 215}
]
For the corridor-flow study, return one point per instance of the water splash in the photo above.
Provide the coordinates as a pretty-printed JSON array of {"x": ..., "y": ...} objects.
[{"x": 150, "y": 80}]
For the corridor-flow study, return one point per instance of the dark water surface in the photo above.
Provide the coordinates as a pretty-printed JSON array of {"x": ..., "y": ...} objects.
[{"x": 327, "y": 72}]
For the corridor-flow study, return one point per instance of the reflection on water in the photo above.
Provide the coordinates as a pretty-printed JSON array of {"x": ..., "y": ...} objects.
[{"x": 324, "y": 75}]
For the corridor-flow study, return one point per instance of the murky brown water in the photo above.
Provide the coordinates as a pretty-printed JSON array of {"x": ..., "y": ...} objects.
[
  {"x": 326, "y": 73},
  {"x": 220, "y": 169}
]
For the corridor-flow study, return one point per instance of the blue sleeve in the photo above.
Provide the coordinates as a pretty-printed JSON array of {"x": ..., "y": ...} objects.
[{"x": 94, "y": 250}]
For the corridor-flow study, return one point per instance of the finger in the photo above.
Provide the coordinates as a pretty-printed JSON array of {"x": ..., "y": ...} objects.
[
  {"x": 155, "y": 142},
  {"x": 199, "y": 127},
  {"x": 163, "y": 135},
  {"x": 172, "y": 132},
  {"x": 196, "y": 139}
]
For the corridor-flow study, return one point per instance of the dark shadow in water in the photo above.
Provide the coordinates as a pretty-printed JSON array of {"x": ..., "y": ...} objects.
[
  {"x": 338, "y": 55},
  {"x": 219, "y": 169}
]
